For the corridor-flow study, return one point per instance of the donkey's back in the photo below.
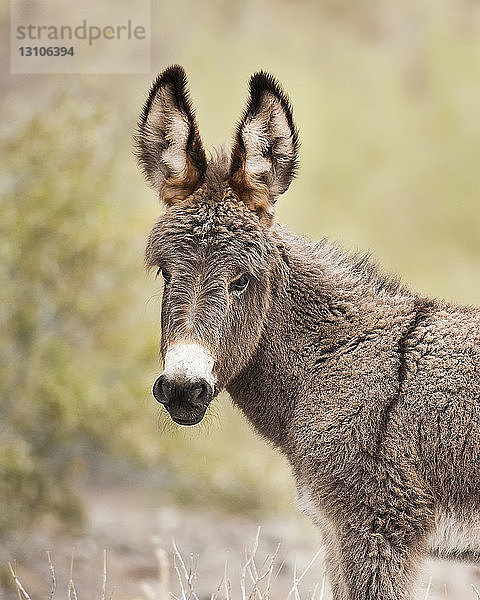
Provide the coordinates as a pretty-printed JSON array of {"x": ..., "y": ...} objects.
[
  {"x": 441, "y": 404},
  {"x": 440, "y": 400}
]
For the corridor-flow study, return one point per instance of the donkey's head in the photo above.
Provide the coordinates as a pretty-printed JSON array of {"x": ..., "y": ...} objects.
[{"x": 213, "y": 244}]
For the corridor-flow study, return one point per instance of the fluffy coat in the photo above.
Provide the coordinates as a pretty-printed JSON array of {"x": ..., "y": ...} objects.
[{"x": 371, "y": 391}]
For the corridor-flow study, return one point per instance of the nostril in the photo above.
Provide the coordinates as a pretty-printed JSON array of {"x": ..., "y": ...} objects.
[
  {"x": 198, "y": 393},
  {"x": 162, "y": 390}
]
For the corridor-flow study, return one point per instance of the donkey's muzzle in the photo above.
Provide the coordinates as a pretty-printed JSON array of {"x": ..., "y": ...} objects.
[{"x": 185, "y": 400}]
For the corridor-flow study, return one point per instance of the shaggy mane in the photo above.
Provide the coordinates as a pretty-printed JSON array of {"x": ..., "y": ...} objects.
[
  {"x": 357, "y": 266},
  {"x": 362, "y": 266}
]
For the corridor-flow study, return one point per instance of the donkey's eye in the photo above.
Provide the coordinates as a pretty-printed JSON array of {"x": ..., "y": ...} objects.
[
  {"x": 239, "y": 284},
  {"x": 165, "y": 274}
]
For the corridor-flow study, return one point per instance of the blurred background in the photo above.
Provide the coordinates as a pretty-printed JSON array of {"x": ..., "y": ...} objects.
[{"x": 386, "y": 97}]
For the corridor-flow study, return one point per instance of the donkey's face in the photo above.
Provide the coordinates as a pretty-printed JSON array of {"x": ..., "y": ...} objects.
[{"x": 213, "y": 244}]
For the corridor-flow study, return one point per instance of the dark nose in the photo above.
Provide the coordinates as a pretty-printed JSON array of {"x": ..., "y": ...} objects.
[{"x": 196, "y": 392}]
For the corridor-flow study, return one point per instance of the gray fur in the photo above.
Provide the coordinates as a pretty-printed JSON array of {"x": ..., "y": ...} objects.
[{"x": 370, "y": 391}]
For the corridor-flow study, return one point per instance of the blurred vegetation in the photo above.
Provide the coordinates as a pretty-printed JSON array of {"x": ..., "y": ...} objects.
[
  {"x": 386, "y": 98},
  {"x": 63, "y": 301}
]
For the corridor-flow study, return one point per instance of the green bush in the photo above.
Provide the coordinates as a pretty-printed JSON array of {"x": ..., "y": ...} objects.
[{"x": 63, "y": 302}]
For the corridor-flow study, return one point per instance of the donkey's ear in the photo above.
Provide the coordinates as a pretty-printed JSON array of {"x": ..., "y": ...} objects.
[
  {"x": 169, "y": 148},
  {"x": 264, "y": 155}
]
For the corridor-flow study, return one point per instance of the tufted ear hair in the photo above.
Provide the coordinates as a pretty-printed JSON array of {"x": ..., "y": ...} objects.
[
  {"x": 169, "y": 148},
  {"x": 265, "y": 151}
]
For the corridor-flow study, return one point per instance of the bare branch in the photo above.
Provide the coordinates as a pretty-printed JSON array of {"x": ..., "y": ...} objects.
[
  {"x": 19, "y": 594},
  {"x": 52, "y": 575},
  {"x": 427, "y": 593},
  {"x": 322, "y": 591},
  {"x": 307, "y": 568},
  {"x": 228, "y": 587},
  {"x": 179, "y": 577},
  {"x": 189, "y": 575},
  {"x": 270, "y": 572},
  {"x": 214, "y": 595},
  {"x": 314, "y": 592},
  {"x": 20, "y": 588},
  {"x": 279, "y": 570},
  {"x": 243, "y": 577},
  {"x": 104, "y": 576},
  {"x": 247, "y": 565},
  {"x": 72, "y": 592},
  {"x": 297, "y": 580}
]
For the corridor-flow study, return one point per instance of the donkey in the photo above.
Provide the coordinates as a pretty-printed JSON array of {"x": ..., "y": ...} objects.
[{"x": 371, "y": 391}]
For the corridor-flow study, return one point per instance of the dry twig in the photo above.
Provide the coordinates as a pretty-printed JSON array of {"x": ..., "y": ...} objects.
[
  {"x": 104, "y": 576},
  {"x": 297, "y": 580},
  {"x": 228, "y": 585},
  {"x": 20, "y": 589},
  {"x": 72, "y": 592},
  {"x": 189, "y": 575},
  {"x": 52, "y": 576},
  {"x": 427, "y": 593}
]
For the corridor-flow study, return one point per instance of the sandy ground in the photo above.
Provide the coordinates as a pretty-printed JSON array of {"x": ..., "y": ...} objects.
[{"x": 132, "y": 524}]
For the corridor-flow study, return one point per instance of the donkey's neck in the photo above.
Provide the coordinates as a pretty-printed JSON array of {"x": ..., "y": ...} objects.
[{"x": 322, "y": 301}]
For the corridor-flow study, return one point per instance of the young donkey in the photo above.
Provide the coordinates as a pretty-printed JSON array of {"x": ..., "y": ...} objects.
[{"x": 371, "y": 391}]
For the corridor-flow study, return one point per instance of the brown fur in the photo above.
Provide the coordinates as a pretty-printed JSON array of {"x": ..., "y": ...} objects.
[
  {"x": 176, "y": 189},
  {"x": 370, "y": 391},
  {"x": 253, "y": 193}
]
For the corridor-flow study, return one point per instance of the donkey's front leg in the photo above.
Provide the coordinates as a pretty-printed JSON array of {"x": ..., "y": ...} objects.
[{"x": 368, "y": 567}]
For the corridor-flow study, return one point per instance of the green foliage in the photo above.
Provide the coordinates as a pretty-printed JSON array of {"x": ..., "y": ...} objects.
[{"x": 63, "y": 298}]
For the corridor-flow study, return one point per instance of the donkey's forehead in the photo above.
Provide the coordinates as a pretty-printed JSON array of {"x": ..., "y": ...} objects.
[{"x": 203, "y": 223}]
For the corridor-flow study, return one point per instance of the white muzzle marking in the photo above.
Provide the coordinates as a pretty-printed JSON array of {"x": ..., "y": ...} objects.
[{"x": 189, "y": 362}]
